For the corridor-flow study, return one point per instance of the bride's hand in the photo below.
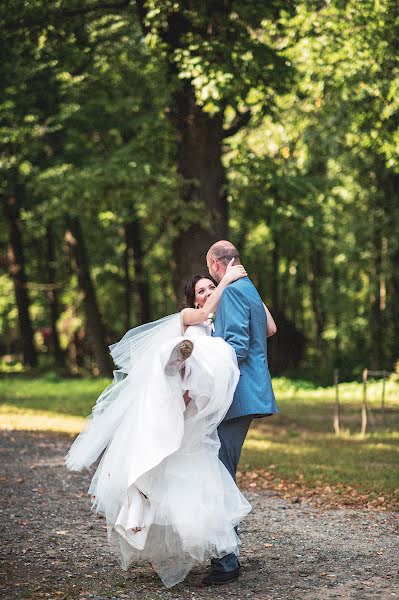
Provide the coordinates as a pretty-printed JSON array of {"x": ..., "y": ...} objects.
[{"x": 234, "y": 272}]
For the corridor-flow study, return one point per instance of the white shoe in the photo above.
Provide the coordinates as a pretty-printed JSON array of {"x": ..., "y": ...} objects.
[{"x": 181, "y": 352}]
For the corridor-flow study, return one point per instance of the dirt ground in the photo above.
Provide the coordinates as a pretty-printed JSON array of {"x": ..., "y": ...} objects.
[{"x": 54, "y": 547}]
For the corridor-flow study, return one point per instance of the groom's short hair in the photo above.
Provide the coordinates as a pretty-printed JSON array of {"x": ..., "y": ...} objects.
[{"x": 224, "y": 251}]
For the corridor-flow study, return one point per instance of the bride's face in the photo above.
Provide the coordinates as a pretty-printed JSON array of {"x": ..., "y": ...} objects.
[{"x": 203, "y": 289}]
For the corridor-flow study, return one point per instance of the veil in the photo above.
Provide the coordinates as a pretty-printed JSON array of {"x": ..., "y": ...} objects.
[
  {"x": 130, "y": 355},
  {"x": 160, "y": 484}
]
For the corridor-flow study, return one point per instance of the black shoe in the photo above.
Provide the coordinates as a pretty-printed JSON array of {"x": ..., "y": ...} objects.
[{"x": 221, "y": 577}]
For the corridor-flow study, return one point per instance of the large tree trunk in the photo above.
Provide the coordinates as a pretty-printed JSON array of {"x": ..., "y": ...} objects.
[
  {"x": 394, "y": 292},
  {"x": 134, "y": 247},
  {"x": 16, "y": 262},
  {"x": 94, "y": 323},
  {"x": 53, "y": 298},
  {"x": 199, "y": 139}
]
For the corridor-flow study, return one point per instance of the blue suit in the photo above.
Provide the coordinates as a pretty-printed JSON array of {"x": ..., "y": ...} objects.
[{"x": 241, "y": 322}]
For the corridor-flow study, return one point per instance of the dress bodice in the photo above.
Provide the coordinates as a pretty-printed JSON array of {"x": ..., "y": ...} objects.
[{"x": 199, "y": 329}]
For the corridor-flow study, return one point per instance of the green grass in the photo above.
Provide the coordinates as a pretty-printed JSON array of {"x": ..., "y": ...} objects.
[
  {"x": 301, "y": 445},
  {"x": 296, "y": 445},
  {"x": 307, "y": 408},
  {"x": 370, "y": 463},
  {"x": 47, "y": 405}
]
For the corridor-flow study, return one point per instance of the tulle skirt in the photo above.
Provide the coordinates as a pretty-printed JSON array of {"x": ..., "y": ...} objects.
[{"x": 166, "y": 496}]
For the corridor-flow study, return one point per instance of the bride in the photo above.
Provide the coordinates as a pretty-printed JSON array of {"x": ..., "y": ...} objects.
[{"x": 160, "y": 485}]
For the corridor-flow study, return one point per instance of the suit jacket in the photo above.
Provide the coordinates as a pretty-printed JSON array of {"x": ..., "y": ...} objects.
[{"x": 241, "y": 322}]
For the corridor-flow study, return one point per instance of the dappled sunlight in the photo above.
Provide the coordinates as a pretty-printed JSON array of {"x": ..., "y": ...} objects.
[
  {"x": 74, "y": 397},
  {"x": 319, "y": 418},
  {"x": 367, "y": 462},
  {"x": 40, "y": 421},
  {"x": 380, "y": 441},
  {"x": 292, "y": 449},
  {"x": 287, "y": 390},
  {"x": 297, "y": 446}
]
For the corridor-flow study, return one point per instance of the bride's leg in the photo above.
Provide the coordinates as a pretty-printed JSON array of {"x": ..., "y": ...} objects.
[{"x": 186, "y": 398}]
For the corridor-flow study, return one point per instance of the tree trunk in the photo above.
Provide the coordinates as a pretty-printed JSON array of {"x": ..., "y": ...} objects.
[
  {"x": 94, "y": 323},
  {"x": 16, "y": 262},
  {"x": 127, "y": 281},
  {"x": 377, "y": 317},
  {"x": 296, "y": 299},
  {"x": 392, "y": 193},
  {"x": 134, "y": 245},
  {"x": 315, "y": 277},
  {"x": 395, "y": 302},
  {"x": 275, "y": 275},
  {"x": 53, "y": 298},
  {"x": 287, "y": 348},
  {"x": 336, "y": 311},
  {"x": 199, "y": 139}
]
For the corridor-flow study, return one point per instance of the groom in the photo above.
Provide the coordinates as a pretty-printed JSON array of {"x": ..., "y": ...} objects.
[{"x": 241, "y": 321}]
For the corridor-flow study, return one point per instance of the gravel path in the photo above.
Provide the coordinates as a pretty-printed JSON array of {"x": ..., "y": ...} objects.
[{"x": 53, "y": 547}]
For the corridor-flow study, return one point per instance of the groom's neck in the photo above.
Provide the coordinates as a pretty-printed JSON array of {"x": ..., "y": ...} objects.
[{"x": 222, "y": 273}]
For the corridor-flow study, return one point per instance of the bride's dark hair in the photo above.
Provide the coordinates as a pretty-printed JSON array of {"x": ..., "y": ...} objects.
[{"x": 189, "y": 290}]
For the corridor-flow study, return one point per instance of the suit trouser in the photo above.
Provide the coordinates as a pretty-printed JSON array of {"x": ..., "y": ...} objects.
[{"x": 232, "y": 434}]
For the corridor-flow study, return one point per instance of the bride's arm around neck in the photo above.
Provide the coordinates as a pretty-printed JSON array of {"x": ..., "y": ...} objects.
[{"x": 193, "y": 316}]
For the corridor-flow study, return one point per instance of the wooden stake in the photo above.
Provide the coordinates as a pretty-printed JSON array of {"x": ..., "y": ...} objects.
[
  {"x": 337, "y": 411},
  {"x": 364, "y": 402},
  {"x": 383, "y": 397}
]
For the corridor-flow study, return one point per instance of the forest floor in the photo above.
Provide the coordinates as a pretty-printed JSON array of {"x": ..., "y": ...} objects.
[
  {"x": 54, "y": 547},
  {"x": 295, "y": 453}
]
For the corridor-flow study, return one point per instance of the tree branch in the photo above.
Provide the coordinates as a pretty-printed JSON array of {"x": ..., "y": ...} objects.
[
  {"x": 141, "y": 12},
  {"x": 239, "y": 121}
]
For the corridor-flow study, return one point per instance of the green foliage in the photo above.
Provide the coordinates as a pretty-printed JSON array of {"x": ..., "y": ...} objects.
[
  {"x": 224, "y": 51},
  {"x": 312, "y": 179},
  {"x": 316, "y": 185}
]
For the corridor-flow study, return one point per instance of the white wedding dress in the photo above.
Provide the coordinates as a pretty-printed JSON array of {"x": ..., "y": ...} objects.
[{"x": 165, "y": 494}]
